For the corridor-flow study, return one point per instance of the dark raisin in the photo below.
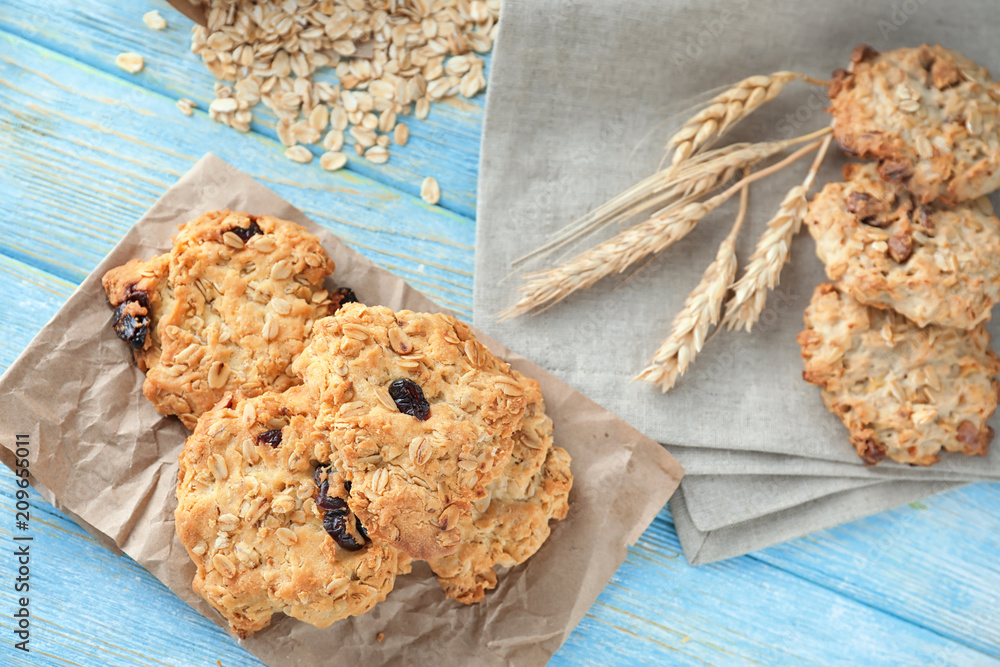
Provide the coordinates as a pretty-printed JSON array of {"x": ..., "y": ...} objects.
[
  {"x": 130, "y": 328},
  {"x": 924, "y": 220},
  {"x": 872, "y": 451},
  {"x": 332, "y": 504},
  {"x": 361, "y": 528},
  {"x": 272, "y": 438},
  {"x": 976, "y": 441},
  {"x": 246, "y": 232},
  {"x": 336, "y": 525},
  {"x": 347, "y": 485},
  {"x": 341, "y": 296},
  {"x": 894, "y": 171},
  {"x": 131, "y": 318},
  {"x": 857, "y": 202},
  {"x": 840, "y": 77},
  {"x": 409, "y": 398},
  {"x": 322, "y": 471},
  {"x": 863, "y": 53},
  {"x": 900, "y": 247}
]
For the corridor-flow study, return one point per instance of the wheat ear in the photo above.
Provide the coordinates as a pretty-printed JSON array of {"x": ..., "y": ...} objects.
[
  {"x": 771, "y": 254},
  {"x": 701, "y": 311},
  {"x": 544, "y": 288},
  {"x": 675, "y": 186},
  {"x": 728, "y": 108}
]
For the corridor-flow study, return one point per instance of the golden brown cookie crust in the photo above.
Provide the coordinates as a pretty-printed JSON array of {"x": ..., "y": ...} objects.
[
  {"x": 931, "y": 263},
  {"x": 904, "y": 392},
  {"x": 508, "y": 526},
  {"x": 929, "y": 115},
  {"x": 248, "y": 517},
  {"x": 413, "y": 479},
  {"x": 227, "y": 309}
]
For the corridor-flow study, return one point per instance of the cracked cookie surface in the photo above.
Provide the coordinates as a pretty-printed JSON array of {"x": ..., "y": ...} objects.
[
  {"x": 227, "y": 309},
  {"x": 904, "y": 392},
  {"x": 257, "y": 512},
  {"x": 419, "y": 416},
  {"x": 931, "y": 263},
  {"x": 508, "y": 526},
  {"x": 929, "y": 115}
]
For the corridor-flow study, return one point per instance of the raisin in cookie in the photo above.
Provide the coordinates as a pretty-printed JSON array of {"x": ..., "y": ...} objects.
[
  {"x": 511, "y": 522},
  {"x": 928, "y": 115},
  {"x": 227, "y": 309},
  {"x": 933, "y": 264},
  {"x": 419, "y": 416},
  {"x": 267, "y": 525},
  {"x": 904, "y": 392}
]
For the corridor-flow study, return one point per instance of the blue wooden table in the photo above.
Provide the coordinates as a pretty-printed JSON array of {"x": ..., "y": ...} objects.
[{"x": 86, "y": 148}]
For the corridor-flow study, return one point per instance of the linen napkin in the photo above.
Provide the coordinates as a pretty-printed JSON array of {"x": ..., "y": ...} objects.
[{"x": 582, "y": 98}]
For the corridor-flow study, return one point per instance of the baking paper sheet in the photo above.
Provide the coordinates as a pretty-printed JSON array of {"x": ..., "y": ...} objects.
[{"x": 102, "y": 453}]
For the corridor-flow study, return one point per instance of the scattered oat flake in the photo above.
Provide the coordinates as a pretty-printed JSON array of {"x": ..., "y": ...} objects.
[
  {"x": 186, "y": 106},
  {"x": 332, "y": 161},
  {"x": 401, "y": 135},
  {"x": 379, "y": 637},
  {"x": 377, "y": 154},
  {"x": 299, "y": 154},
  {"x": 391, "y": 59},
  {"x": 430, "y": 191},
  {"x": 154, "y": 21},
  {"x": 130, "y": 62}
]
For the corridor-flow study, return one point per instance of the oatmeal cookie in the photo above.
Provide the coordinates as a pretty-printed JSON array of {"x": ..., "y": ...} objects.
[
  {"x": 227, "y": 309},
  {"x": 929, "y": 116},
  {"x": 419, "y": 416},
  {"x": 509, "y": 524},
  {"x": 267, "y": 525},
  {"x": 931, "y": 263},
  {"x": 904, "y": 392}
]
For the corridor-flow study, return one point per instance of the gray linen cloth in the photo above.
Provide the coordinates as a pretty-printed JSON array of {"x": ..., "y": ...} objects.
[{"x": 582, "y": 97}]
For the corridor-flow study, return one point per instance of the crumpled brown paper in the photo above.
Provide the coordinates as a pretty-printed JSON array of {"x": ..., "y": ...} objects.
[{"x": 102, "y": 453}]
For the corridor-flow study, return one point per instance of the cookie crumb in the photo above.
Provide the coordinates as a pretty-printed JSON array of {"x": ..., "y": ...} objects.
[{"x": 379, "y": 637}]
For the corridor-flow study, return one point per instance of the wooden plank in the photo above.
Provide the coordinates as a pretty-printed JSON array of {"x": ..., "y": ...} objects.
[
  {"x": 933, "y": 563},
  {"x": 116, "y": 151},
  {"x": 90, "y": 607},
  {"x": 445, "y": 145},
  {"x": 656, "y": 610},
  {"x": 83, "y": 163},
  {"x": 28, "y": 299}
]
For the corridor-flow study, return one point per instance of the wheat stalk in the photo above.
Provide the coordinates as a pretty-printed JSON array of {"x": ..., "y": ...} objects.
[
  {"x": 771, "y": 254},
  {"x": 671, "y": 188},
  {"x": 544, "y": 288},
  {"x": 701, "y": 311},
  {"x": 728, "y": 108}
]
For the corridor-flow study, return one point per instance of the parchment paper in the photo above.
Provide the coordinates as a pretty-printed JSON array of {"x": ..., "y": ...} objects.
[
  {"x": 102, "y": 452},
  {"x": 582, "y": 98}
]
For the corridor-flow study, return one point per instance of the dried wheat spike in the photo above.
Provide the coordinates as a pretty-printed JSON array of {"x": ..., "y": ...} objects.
[
  {"x": 725, "y": 110},
  {"x": 701, "y": 311},
  {"x": 670, "y": 189},
  {"x": 771, "y": 254},
  {"x": 544, "y": 288}
]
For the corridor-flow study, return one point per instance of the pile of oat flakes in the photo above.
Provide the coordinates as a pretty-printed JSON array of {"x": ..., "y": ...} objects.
[{"x": 392, "y": 58}]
